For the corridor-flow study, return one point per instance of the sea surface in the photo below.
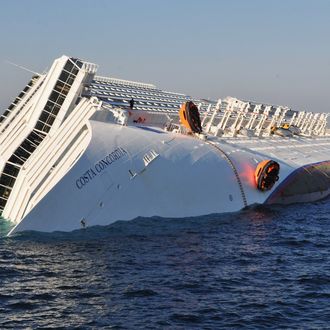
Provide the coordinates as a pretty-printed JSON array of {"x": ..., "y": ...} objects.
[{"x": 261, "y": 268}]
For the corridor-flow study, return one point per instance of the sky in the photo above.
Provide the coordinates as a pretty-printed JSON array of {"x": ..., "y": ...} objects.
[{"x": 271, "y": 51}]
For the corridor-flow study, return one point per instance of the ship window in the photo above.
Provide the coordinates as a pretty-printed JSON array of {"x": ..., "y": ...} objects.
[
  {"x": 44, "y": 116},
  {"x": 52, "y": 108},
  {"x": 41, "y": 126},
  {"x": 50, "y": 120},
  {"x": 65, "y": 89},
  {"x": 60, "y": 99},
  {"x": 42, "y": 120},
  {"x": 70, "y": 80},
  {"x": 64, "y": 76},
  {"x": 11, "y": 170},
  {"x": 7, "y": 181},
  {"x": 4, "y": 192},
  {"x": 79, "y": 63},
  {"x": 59, "y": 86},
  {"x": 49, "y": 106},
  {"x": 22, "y": 153},
  {"x": 16, "y": 160},
  {"x": 75, "y": 71},
  {"x": 28, "y": 145},
  {"x": 2, "y": 203},
  {"x": 68, "y": 66},
  {"x": 54, "y": 96},
  {"x": 46, "y": 128}
]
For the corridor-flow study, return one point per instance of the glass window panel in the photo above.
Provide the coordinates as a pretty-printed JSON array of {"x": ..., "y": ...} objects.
[
  {"x": 59, "y": 86},
  {"x": 49, "y": 106},
  {"x": 75, "y": 71},
  {"x": 54, "y": 96},
  {"x": 4, "y": 192},
  {"x": 43, "y": 117},
  {"x": 7, "y": 180},
  {"x": 64, "y": 76},
  {"x": 14, "y": 159},
  {"x": 36, "y": 137},
  {"x": 11, "y": 170},
  {"x": 55, "y": 110},
  {"x": 50, "y": 120},
  {"x": 22, "y": 153},
  {"x": 27, "y": 145},
  {"x": 70, "y": 80},
  {"x": 2, "y": 203},
  {"x": 60, "y": 100},
  {"x": 65, "y": 89},
  {"x": 68, "y": 66},
  {"x": 79, "y": 63},
  {"x": 39, "y": 126}
]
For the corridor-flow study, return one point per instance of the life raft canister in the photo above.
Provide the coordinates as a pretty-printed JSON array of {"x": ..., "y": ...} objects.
[
  {"x": 189, "y": 117},
  {"x": 266, "y": 174}
]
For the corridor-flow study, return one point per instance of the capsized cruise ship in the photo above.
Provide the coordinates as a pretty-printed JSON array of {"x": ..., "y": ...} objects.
[{"x": 79, "y": 150}]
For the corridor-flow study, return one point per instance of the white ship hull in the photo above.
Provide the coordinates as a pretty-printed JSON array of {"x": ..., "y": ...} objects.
[{"x": 188, "y": 177}]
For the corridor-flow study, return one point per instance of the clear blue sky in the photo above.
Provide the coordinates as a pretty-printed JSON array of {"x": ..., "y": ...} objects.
[{"x": 270, "y": 51}]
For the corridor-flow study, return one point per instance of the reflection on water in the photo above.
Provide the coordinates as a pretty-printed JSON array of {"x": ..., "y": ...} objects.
[{"x": 5, "y": 227}]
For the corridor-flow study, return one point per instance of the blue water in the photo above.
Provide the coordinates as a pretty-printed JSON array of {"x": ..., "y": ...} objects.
[{"x": 263, "y": 268}]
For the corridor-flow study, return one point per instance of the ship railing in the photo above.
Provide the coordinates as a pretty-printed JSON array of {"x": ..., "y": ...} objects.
[
  {"x": 310, "y": 126},
  {"x": 124, "y": 82},
  {"x": 206, "y": 114},
  {"x": 321, "y": 128},
  {"x": 90, "y": 67},
  {"x": 13, "y": 124},
  {"x": 20, "y": 101},
  {"x": 231, "y": 116}
]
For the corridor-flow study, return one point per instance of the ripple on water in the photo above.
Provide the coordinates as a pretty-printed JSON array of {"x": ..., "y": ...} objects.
[{"x": 262, "y": 268}]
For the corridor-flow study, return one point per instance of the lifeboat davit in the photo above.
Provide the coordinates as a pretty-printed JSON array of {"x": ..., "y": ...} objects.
[
  {"x": 266, "y": 174},
  {"x": 189, "y": 117}
]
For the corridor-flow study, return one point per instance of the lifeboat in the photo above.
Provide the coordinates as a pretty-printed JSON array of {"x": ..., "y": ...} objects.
[
  {"x": 283, "y": 131},
  {"x": 189, "y": 117},
  {"x": 266, "y": 174}
]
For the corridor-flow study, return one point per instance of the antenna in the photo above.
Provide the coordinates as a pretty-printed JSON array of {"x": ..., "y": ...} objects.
[{"x": 23, "y": 68}]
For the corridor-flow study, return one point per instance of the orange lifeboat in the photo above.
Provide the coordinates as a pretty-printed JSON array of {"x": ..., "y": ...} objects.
[
  {"x": 189, "y": 117},
  {"x": 266, "y": 174}
]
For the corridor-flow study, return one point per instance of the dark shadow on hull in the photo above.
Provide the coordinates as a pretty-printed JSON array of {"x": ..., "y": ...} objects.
[{"x": 308, "y": 183}]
